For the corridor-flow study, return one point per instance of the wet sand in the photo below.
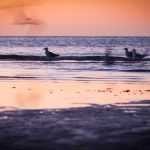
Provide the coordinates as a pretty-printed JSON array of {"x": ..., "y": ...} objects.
[
  {"x": 34, "y": 94},
  {"x": 74, "y": 115}
]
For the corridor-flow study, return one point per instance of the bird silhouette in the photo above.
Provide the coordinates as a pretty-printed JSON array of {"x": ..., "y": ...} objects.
[
  {"x": 128, "y": 54},
  {"x": 137, "y": 55},
  {"x": 50, "y": 54}
]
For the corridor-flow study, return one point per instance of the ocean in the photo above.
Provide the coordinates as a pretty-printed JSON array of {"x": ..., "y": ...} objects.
[{"x": 130, "y": 72}]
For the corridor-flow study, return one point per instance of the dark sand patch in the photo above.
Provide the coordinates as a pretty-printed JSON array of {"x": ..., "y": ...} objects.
[
  {"x": 97, "y": 127},
  {"x": 126, "y": 91}
]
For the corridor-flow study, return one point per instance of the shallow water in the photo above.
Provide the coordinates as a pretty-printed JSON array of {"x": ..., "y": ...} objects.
[{"x": 75, "y": 70}]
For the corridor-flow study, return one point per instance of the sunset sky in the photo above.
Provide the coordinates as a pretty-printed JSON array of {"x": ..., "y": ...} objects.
[{"x": 75, "y": 17}]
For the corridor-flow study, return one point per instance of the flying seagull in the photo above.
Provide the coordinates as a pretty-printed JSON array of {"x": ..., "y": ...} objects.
[{"x": 50, "y": 54}]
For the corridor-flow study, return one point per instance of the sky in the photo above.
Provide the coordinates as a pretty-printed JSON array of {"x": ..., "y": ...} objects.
[{"x": 75, "y": 17}]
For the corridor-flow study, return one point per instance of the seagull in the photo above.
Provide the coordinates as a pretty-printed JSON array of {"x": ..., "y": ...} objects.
[
  {"x": 128, "y": 54},
  {"x": 137, "y": 55},
  {"x": 50, "y": 54}
]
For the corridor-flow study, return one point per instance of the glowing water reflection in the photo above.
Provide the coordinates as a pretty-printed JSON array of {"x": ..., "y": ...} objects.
[{"x": 48, "y": 94}]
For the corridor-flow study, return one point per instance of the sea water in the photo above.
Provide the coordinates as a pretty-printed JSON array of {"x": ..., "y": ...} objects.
[{"x": 75, "y": 70}]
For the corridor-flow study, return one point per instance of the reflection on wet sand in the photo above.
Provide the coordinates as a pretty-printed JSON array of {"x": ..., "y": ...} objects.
[{"x": 35, "y": 95}]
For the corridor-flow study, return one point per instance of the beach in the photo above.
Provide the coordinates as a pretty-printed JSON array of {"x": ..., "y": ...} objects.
[
  {"x": 74, "y": 75},
  {"x": 61, "y": 115},
  {"x": 73, "y": 104}
]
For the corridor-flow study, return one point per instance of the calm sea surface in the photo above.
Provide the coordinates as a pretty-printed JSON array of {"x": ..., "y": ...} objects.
[{"x": 75, "y": 70}]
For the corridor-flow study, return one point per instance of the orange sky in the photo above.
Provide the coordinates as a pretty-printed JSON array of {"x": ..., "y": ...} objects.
[{"x": 75, "y": 17}]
